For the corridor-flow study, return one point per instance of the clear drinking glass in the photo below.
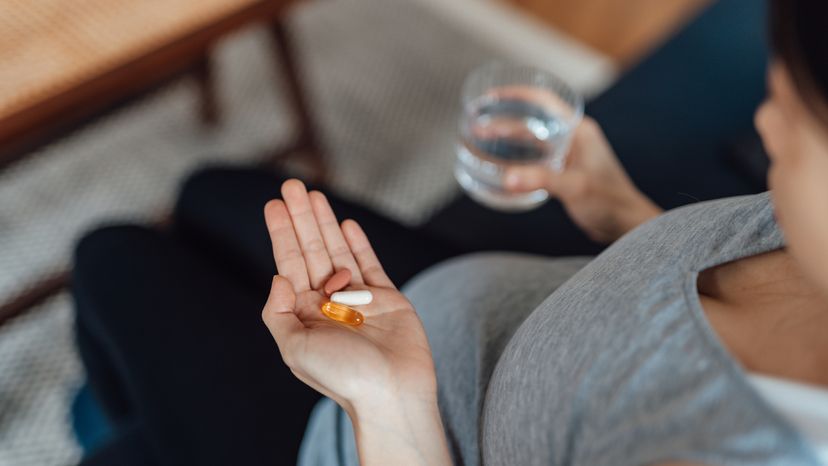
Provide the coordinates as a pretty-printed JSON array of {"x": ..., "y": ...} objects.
[{"x": 513, "y": 115}]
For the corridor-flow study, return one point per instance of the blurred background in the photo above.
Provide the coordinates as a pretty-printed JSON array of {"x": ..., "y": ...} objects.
[{"x": 106, "y": 105}]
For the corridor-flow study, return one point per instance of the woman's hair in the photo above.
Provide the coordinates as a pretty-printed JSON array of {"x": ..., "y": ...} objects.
[{"x": 799, "y": 37}]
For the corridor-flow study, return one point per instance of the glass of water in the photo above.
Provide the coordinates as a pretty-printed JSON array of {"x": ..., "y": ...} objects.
[{"x": 513, "y": 115}]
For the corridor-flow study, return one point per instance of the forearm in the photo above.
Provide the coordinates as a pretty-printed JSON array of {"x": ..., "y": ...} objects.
[
  {"x": 638, "y": 209},
  {"x": 401, "y": 432}
]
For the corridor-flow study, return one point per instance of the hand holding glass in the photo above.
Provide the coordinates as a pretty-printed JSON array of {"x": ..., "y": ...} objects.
[{"x": 513, "y": 115}]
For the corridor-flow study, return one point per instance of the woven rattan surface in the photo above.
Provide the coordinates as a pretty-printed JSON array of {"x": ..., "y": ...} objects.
[{"x": 49, "y": 46}]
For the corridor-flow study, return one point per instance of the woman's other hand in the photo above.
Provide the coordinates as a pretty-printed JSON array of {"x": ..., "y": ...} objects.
[{"x": 594, "y": 188}]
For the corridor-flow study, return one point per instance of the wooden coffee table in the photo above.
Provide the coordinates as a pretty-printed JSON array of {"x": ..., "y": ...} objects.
[{"x": 64, "y": 64}]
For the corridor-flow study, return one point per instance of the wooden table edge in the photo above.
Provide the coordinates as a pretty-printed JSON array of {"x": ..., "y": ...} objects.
[{"x": 34, "y": 126}]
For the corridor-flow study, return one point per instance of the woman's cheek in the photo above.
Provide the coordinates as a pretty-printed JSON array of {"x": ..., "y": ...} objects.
[
  {"x": 800, "y": 193},
  {"x": 778, "y": 194},
  {"x": 806, "y": 242}
]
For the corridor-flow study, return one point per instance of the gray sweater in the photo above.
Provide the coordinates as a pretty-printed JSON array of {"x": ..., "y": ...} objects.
[{"x": 603, "y": 362}]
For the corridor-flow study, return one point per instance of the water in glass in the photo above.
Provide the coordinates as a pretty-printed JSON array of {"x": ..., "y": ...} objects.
[{"x": 497, "y": 133}]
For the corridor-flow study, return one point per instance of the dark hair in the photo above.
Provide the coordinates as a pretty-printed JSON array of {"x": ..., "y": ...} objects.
[{"x": 799, "y": 38}]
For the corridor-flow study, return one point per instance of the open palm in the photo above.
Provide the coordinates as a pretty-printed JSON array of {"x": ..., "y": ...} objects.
[{"x": 384, "y": 356}]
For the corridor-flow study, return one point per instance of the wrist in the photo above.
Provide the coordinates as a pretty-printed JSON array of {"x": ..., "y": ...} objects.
[
  {"x": 637, "y": 209},
  {"x": 398, "y": 402},
  {"x": 407, "y": 430},
  {"x": 396, "y": 390}
]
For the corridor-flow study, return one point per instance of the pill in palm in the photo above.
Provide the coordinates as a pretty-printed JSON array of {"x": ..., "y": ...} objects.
[
  {"x": 352, "y": 298},
  {"x": 338, "y": 281},
  {"x": 342, "y": 313}
]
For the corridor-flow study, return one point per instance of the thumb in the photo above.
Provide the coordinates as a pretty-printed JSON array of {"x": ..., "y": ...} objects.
[
  {"x": 527, "y": 178},
  {"x": 531, "y": 178},
  {"x": 278, "y": 314},
  {"x": 559, "y": 184}
]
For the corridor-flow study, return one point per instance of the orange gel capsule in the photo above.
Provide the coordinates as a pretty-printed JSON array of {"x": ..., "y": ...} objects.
[{"x": 342, "y": 313}]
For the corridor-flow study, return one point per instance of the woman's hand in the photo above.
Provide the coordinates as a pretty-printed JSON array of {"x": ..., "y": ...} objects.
[
  {"x": 594, "y": 188},
  {"x": 381, "y": 372}
]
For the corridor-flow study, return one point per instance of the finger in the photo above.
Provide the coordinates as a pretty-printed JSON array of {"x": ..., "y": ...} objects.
[
  {"x": 317, "y": 260},
  {"x": 367, "y": 260},
  {"x": 338, "y": 249},
  {"x": 289, "y": 259},
  {"x": 523, "y": 179},
  {"x": 279, "y": 317},
  {"x": 537, "y": 95},
  {"x": 515, "y": 129},
  {"x": 557, "y": 184}
]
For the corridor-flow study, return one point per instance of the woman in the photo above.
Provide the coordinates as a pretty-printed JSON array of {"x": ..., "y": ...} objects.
[
  {"x": 690, "y": 340},
  {"x": 631, "y": 361}
]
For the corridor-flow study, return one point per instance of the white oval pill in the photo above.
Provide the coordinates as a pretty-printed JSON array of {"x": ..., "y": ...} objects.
[{"x": 352, "y": 298}]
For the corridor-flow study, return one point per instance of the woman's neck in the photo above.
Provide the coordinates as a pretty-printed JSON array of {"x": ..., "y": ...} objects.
[{"x": 769, "y": 316}]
